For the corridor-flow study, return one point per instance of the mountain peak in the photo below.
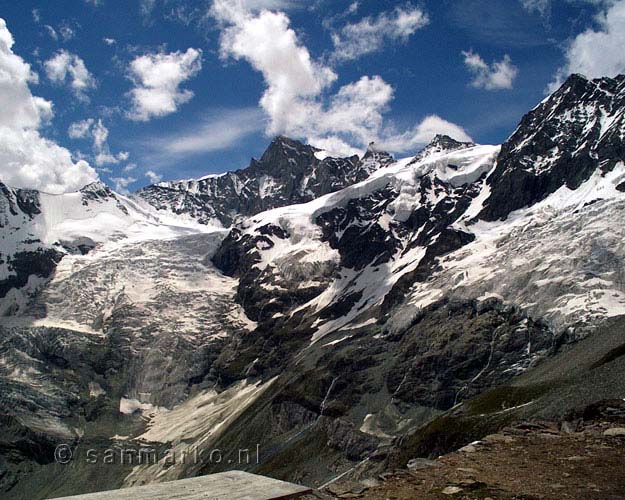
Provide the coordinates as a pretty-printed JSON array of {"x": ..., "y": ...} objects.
[
  {"x": 375, "y": 155},
  {"x": 562, "y": 141},
  {"x": 286, "y": 144},
  {"x": 447, "y": 143},
  {"x": 439, "y": 144}
]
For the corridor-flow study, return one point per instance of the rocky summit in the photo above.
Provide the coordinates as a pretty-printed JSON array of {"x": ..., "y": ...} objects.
[{"x": 348, "y": 319}]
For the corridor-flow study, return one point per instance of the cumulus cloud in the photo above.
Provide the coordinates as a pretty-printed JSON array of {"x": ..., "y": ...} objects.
[
  {"x": 498, "y": 75},
  {"x": 268, "y": 43},
  {"x": 297, "y": 99},
  {"x": 597, "y": 52},
  {"x": 67, "y": 67},
  {"x": 28, "y": 160},
  {"x": 157, "y": 79},
  {"x": 369, "y": 34},
  {"x": 98, "y": 133}
]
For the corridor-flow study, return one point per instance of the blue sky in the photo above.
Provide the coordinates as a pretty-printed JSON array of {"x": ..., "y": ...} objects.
[{"x": 173, "y": 89}]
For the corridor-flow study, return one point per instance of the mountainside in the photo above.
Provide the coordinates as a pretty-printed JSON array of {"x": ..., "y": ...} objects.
[
  {"x": 356, "y": 313},
  {"x": 288, "y": 172},
  {"x": 576, "y": 132}
]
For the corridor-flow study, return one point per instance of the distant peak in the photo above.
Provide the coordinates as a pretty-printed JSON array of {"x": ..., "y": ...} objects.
[
  {"x": 95, "y": 186},
  {"x": 439, "y": 144},
  {"x": 448, "y": 143},
  {"x": 374, "y": 149},
  {"x": 282, "y": 146},
  {"x": 95, "y": 190},
  {"x": 283, "y": 141},
  {"x": 376, "y": 156}
]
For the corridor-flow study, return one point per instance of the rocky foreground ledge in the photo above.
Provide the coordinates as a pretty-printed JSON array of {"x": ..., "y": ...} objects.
[{"x": 581, "y": 458}]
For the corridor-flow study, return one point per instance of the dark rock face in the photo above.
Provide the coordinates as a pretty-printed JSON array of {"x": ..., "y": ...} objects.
[
  {"x": 454, "y": 351},
  {"x": 17, "y": 202},
  {"x": 19, "y": 207},
  {"x": 355, "y": 230},
  {"x": 570, "y": 135},
  {"x": 288, "y": 172},
  {"x": 40, "y": 263}
]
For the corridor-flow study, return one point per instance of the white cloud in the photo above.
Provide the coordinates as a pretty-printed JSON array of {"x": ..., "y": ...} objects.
[
  {"x": 541, "y": 7},
  {"x": 153, "y": 176},
  {"x": 67, "y": 32},
  {"x": 120, "y": 184},
  {"x": 28, "y": 160},
  {"x": 297, "y": 100},
  {"x": 80, "y": 129},
  {"x": 157, "y": 78},
  {"x": 98, "y": 133},
  {"x": 219, "y": 131},
  {"x": 369, "y": 34},
  {"x": 52, "y": 32},
  {"x": 67, "y": 67},
  {"x": 498, "y": 75},
  {"x": 36, "y": 15},
  {"x": 597, "y": 53},
  {"x": 109, "y": 41},
  {"x": 271, "y": 47},
  {"x": 423, "y": 133},
  {"x": 353, "y": 7}
]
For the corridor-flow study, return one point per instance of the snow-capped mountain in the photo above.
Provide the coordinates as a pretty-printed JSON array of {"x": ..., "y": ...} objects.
[
  {"x": 288, "y": 172},
  {"x": 354, "y": 307},
  {"x": 568, "y": 137}
]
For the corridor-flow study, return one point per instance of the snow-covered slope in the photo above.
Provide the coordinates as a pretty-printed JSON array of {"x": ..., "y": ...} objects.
[{"x": 38, "y": 229}]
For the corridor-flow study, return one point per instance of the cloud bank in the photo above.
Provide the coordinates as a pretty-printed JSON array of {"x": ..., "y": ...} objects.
[{"x": 28, "y": 160}]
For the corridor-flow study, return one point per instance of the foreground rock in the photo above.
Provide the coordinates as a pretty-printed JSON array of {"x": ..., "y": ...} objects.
[{"x": 532, "y": 461}]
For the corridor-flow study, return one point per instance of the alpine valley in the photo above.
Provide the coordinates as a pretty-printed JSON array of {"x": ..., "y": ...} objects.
[{"x": 337, "y": 317}]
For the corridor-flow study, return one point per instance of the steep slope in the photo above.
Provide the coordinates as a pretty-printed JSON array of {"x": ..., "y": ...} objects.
[
  {"x": 288, "y": 172},
  {"x": 577, "y": 131}
]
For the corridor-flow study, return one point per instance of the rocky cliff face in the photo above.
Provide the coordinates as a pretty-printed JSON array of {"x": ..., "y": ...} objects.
[
  {"x": 351, "y": 302},
  {"x": 572, "y": 134}
]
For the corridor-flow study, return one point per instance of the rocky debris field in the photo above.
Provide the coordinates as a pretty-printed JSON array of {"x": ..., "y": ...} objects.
[{"x": 529, "y": 461}]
